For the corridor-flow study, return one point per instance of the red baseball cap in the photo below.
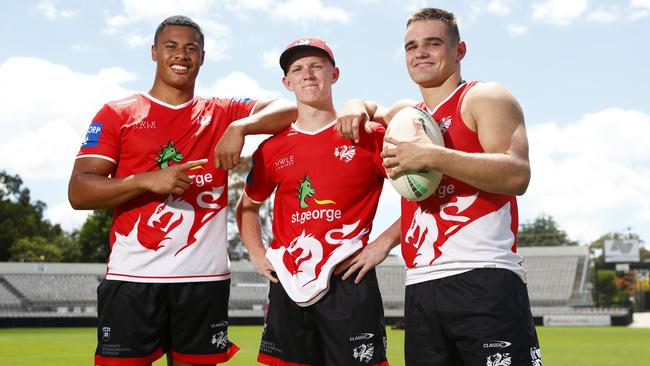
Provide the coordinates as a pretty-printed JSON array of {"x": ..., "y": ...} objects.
[{"x": 303, "y": 44}]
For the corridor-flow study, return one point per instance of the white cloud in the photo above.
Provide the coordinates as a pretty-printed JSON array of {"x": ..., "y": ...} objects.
[
  {"x": 559, "y": 12},
  {"x": 49, "y": 10},
  {"x": 516, "y": 30},
  {"x": 45, "y": 113},
  {"x": 591, "y": 175},
  {"x": 147, "y": 14},
  {"x": 236, "y": 84},
  {"x": 66, "y": 216},
  {"x": 304, "y": 12},
  {"x": 602, "y": 15},
  {"x": 640, "y": 3},
  {"x": 499, "y": 7},
  {"x": 270, "y": 59},
  {"x": 639, "y": 15}
]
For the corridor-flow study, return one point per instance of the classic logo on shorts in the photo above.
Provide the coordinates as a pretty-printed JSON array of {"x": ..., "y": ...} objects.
[
  {"x": 168, "y": 154},
  {"x": 535, "y": 356},
  {"x": 496, "y": 344},
  {"x": 106, "y": 333},
  {"x": 499, "y": 359},
  {"x": 360, "y": 336},
  {"x": 364, "y": 352},
  {"x": 345, "y": 152},
  {"x": 220, "y": 340}
]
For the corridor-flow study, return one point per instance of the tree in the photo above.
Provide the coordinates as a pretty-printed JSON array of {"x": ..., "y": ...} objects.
[
  {"x": 93, "y": 237},
  {"x": 543, "y": 232},
  {"x": 20, "y": 218},
  {"x": 35, "y": 249}
]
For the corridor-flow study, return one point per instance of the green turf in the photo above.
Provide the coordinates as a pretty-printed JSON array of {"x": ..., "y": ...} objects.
[{"x": 561, "y": 346}]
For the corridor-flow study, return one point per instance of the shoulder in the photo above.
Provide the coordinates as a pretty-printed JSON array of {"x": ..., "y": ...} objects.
[{"x": 488, "y": 92}]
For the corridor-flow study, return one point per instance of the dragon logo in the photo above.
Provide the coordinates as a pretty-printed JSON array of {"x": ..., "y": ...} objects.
[
  {"x": 499, "y": 359},
  {"x": 422, "y": 233},
  {"x": 364, "y": 352},
  {"x": 305, "y": 190},
  {"x": 167, "y": 154},
  {"x": 308, "y": 252},
  {"x": 220, "y": 340},
  {"x": 345, "y": 153}
]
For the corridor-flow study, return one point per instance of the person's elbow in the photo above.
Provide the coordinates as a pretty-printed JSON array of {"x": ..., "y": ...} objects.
[
  {"x": 75, "y": 195},
  {"x": 518, "y": 182}
]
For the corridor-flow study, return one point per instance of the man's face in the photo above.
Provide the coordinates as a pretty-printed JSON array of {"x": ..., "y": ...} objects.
[
  {"x": 310, "y": 76},
  {"x": 431, "y": 54},
  {"x": 178, "y": 53}
]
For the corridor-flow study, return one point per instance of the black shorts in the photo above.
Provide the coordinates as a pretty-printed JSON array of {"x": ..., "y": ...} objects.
[
  {"x": 481, "y": 317},
  {"x": 345, "y": 327},
  {"x": 139, "y": 322}
]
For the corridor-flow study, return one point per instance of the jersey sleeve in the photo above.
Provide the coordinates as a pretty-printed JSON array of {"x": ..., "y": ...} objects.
[
  {"x": 376, "y": 146},
  {"x": 102, "y": 137},
  {"x": 260, "y": 182},
  {"x": 237, "y": 108}
]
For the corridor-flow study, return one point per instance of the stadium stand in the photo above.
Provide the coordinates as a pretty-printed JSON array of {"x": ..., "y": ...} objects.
[{"x": 558, "y": 285}]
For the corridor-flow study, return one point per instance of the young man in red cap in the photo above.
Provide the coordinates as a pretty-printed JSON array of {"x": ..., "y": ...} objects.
[{"x": 327, "y": 191}]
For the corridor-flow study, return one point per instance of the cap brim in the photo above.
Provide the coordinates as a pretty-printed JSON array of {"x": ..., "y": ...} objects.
[{"x": 287, "y": 55}]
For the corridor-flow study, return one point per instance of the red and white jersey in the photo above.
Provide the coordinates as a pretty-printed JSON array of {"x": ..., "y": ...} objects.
[
  {"x": 327, "y": 194},
  {"x": 459, "y": 227},
  {"x": 167, "y": 238}
]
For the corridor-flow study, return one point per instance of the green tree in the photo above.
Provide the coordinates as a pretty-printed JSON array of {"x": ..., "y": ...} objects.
[
  {"x": 93, "y": 237},
  {"x": 35, "y": 249},
  {"x": 20, "y": 217},
  {"x": 542, "y": 232}
]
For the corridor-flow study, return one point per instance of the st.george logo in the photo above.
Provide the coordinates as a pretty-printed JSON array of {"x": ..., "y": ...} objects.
[{"x": 306, "y": 190}]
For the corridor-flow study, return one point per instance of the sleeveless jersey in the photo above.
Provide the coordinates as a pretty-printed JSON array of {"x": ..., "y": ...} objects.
[
  {"x": 327, "y": 194},
  {"x": 459, "y": 227},
  {"x": 167, "y": 238}
]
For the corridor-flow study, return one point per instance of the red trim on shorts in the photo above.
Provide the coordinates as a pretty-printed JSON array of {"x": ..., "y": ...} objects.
[
  {"x": 274, "y": 361},
  {"x": 384, "y": 363},
  {"x": 129, "y": 361},
  {"x": 207, "y": 359}
]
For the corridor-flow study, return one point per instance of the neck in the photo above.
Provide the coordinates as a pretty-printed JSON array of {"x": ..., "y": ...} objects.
[
  {"x": 433, "y": 95},
  {"x": 171, "y": 95},
  {"x": 315, "y": 117}
]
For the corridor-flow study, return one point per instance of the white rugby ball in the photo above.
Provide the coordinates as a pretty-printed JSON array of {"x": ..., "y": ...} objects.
[{"x": 415, "y": 186}]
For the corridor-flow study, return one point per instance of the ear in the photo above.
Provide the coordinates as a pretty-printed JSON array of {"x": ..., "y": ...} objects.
[
  {"x": 287, "y": 83},
  {"x": 335, "y": 74},
  {"x": 154, "y": 54},
  {"x": 461, "y": 50},
  {"x": 202, "y": 56}
]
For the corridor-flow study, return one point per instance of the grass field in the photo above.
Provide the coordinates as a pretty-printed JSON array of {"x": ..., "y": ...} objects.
[{"x": 596, "y": 346}]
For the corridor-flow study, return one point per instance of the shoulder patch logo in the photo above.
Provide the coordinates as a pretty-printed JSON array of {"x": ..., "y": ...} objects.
[
  {"x": 168, "y": 154},
  {"x": 93, "y": 135},
  {"x": 345, "y": 152}
]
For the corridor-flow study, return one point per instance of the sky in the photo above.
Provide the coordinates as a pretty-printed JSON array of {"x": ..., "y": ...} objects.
[{"x": 579, "y": 69}]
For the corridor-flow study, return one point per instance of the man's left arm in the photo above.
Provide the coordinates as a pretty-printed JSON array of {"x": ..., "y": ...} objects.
[{"x": 268, "y": 117}]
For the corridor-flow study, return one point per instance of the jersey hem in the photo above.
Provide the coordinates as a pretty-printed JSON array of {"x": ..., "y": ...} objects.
[
  {"x": 167, "y": 279},
  {"x": 429, "y": 273}
]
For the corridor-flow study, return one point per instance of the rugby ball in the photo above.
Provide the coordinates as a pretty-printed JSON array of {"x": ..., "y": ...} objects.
[{"x": 415, "y": 186}]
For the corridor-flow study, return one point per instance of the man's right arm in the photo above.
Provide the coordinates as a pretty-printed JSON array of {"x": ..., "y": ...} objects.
[
  {"x": 91, "y": 188},
  {"x": 247, "y": 216},
  {"x": 358, "y": 112}
]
